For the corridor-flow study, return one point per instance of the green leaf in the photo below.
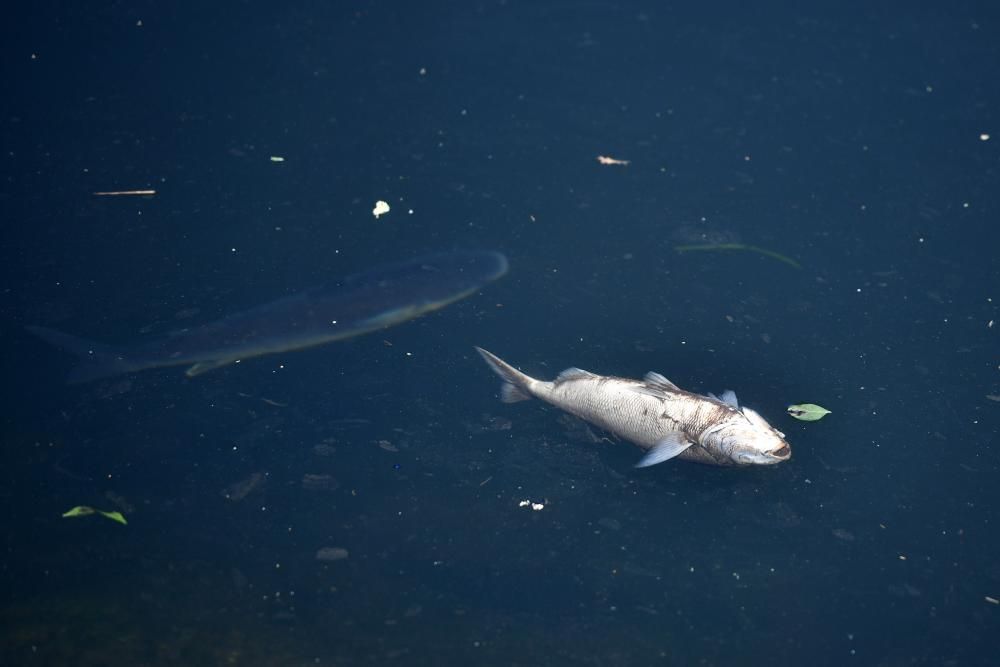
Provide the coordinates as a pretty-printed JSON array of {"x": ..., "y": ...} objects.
[
  {"x": 116, "y": 516},
  {"x": 808, "y": 412},
  {"x": 79, "y": 510},
  {"x": 83, "y": 510}
]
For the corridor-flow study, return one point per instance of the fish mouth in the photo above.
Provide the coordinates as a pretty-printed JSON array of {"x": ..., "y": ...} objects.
[{"x": 784, "y": 452}]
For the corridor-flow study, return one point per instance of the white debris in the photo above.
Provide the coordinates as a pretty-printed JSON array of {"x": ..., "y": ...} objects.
[
  {"x": 381, "y": 208},
  {"x": 330, "y": 554}
]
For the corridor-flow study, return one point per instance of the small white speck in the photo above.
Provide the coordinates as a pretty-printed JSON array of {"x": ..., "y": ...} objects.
[{"x": 984, "y": 137}]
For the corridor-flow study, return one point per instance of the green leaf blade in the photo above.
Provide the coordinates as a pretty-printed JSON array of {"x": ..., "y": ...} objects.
[
  {"x": 808, "y": 412},
  {"x": 116, "y": 516},
  {"x": 79, "y": 510}
]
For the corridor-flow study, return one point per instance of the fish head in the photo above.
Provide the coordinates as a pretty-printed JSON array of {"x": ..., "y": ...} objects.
[{"x": 745, "y": 438}]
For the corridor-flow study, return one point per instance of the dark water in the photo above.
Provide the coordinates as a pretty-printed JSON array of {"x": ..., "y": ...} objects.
[{"x": 861, "y": 142}]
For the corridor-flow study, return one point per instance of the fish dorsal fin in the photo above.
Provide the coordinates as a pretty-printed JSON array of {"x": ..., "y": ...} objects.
[
  {"x": 664, "y": 450},
  {"x": 573, "y": 373},
  {"x": 728, "y": 397},
  {"x": 657, "y": 381}
]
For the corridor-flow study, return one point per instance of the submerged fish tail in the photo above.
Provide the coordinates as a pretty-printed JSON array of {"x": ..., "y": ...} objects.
[
  {"x": 97, "y": 360},
  {"x": 516, "y": 385}
]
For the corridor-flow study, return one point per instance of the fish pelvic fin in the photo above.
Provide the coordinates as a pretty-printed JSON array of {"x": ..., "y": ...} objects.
[
  {"x": 674, "y": 444},
  {"x": 96, "y": 360},
  {"x": 515, "y": 385}
]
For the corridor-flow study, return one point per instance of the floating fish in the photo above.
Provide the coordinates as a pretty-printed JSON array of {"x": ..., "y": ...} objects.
[
  {"x": 655, "y": 414},
  {"x": 380, "y": 298}
]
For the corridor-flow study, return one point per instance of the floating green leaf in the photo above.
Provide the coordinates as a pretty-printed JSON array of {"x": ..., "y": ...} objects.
[
  {"x": 83, "y": 510},
  {"x": 115, "y": 516},
  {"x": 808, "y": 412},
  {"x": 79, "y": 510},
  {"x": 740, "y": 246}
]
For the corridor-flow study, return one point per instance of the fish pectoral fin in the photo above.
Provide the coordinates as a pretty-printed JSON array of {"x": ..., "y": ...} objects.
[
  {"x": 665, "y": 449},
  {"x": 206, "y": 366},
  {"x": 657, "y": 381}
]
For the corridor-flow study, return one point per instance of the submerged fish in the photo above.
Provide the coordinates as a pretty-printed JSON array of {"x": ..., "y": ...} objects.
[
  {"x": 365, "y": 302},
  {"x": 655, "y": 414}
]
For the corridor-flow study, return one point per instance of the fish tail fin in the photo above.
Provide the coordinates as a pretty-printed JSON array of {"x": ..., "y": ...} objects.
[
  {"x": 516, "y": 385},
  {"x": 97, "y": 360}
]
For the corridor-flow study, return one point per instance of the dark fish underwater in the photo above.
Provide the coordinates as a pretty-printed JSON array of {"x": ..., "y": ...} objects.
[{"x": 382, "y": 297}]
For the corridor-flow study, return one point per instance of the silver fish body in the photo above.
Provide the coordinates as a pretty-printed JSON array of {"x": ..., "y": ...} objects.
[{"x": 655, "y": 414}]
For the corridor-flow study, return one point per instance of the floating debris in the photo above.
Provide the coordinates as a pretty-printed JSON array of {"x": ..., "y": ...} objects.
[
  {"x": 387, "y": 446},
  {"x": 126, "y": 193},
  {"x": 604, "y": 159},
  {"x": 381, "y": 208},
  {"x": 842, "y": 534},
  {"x": 739, "y": 246},
  {"x": 534, "y": 506},
  {"x": 243, "y": 488},
  {"x": 609, "y": 523},
  {"x": 83, "y": 510},
  {"x": 277, "y": 158},
  {"x": 319, "y": 482},
  {"x": 330, "y": 554},
  {"x": 324, "y": 449},
  {"x": 807, "y": 412}
]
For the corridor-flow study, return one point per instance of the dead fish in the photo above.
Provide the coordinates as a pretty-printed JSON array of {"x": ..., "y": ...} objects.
[{"x": 655, "y": 414}]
